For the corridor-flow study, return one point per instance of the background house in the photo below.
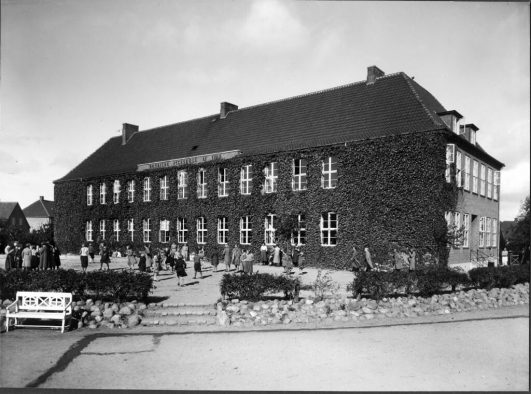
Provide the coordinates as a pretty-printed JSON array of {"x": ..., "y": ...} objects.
[
  {"x": 12, "y": 222},
  {"x": 39, "y": 213}
]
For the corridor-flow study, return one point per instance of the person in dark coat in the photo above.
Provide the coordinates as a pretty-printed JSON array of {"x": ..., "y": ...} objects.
[
  {"x": 214, "y": 259},
  {"x": 105, "y": 258},
  {"x": 18, "y": 255},
  {"x": 197, "y": 265},
  {"x": 44, "y": 255},
  {"x": 180, "y": 269},
  {"x": 56, "y": 257},
  {"x": 142, "y": 262},
  {"x": 295, "y": 255}
]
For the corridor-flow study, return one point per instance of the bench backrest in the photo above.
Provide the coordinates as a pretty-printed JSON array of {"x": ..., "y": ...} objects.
[{"x": 48, "y": 301}]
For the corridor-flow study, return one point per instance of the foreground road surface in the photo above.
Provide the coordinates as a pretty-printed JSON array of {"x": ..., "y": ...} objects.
[{"x": 468, "y": 355}]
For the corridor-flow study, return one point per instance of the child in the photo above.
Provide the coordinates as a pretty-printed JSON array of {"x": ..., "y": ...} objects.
[
  {"x": 142, "y": 262},
  {"x": 180, "y": 269},
  {"x": 197, "y": 265}
]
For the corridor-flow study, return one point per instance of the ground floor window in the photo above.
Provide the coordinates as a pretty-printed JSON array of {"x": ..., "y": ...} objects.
[
  {"x": 146, "y": 230},
  {"x": 164, "y": 231},
  {"x": 466, "y": 229},
  {"x": 494, "y": 240},
  {"x": 102, "y": 229},
  {"x": 329, "y": 229},
  {"x": 131, "y": 229},
  {"x": 88, "y": 231},
  {"x": 116, "y": 229},
  {"x": 201, "y": 230},
  {"x": 223, "y": 230},
  {"x": 270, "y": 229},
  {"x": 482, "y": 231},
  {"x": 488, "y": 232},
  {"x": 245, "y": 230},
  {"x": 299, "y": 235},
  {"x": 182, "y": 231}
]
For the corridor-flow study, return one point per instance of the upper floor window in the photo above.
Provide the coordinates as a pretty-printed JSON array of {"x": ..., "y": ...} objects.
[
  {"x": 223, "y": 182},
  {"x": 146, "y": 230},
  {"x": 270, "y": 224},
  {"x": 182, "y": 185},
  {"x": 89, "y": 194},
  {"x": 201, "y": 230},
  {"x": 164, "y": 231},
  {"x": 103, "y": 193},
  {"x": 201, "y": 183},
  {"x": 182, "y": 230},
  {"x": 329, "y": 173},
  {"x": 329, "y": 229},
  {"x": 467, "y": 173},
  {"x": 482, "y": 178},
  {"x": 223, "y": 230},
  {"x": 246, "y": 178},
  {"x": 164, "y": 188},
  {"x": 271, "y": 177},
  {"x": 475, "y": 167},
  {"x": 450, "y": 155},
  {"x": 245, "y": 230},
  {"x": 131, "y": 191},
  {"x": 458, "y": 172},
  {"x": 496, "y": 185},
  {"x": 88, "y": 231},
  {"x": 299, "y": 235},
  {"x": 147, "y": 189},
  {"x": 102, "y": 229},
  {"x": 489, "y": 183},
  {"x": 131, "y": 229},
  {"x": 116, "y": 189},
  {"x": 116, "y": 229},
  {"x": 298, "y": 180}
]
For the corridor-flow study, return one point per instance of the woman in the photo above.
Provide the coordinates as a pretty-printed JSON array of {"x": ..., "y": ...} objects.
[
  {"x": 91, "y": 252},
  {"x": 243, "y": 258},
  {"x": 131, "y": 258},
  {"x": 184, "y": 252},
  {"x": 368, "y": 259},
  {"x": 226, "y": 257},
  {"x": 105, "y": 258},
  {"x": 34, "y": 257},
  {"x": 214, "y": 259},
  {"x": 263, "y": 254},
  {"x": 149, "y": 256},
  {"x": 197, "y": 265},
  {"x": 248, "y": 263},
  {"x": 10, "y": 257},
  {"x": 155, "y": 266},
  {"x": 276, "y": 255},
  {"x": 142, "y": 262},
  {"x": 26, "y": 257},
  {"x": 56, "y": 257},
  {"x": 180, "y": 269},
  {"x": 356, "y": 265},
  {"x": 295, "y": 255},
  {"x": 84, "y": 255},
  {"x": 43, "y": 257}
]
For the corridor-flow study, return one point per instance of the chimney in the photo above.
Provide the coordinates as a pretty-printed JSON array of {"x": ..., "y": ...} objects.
[
  {"x": 128, "y": 130},
  {"x": 41, "y": 198},
  {"x": 451, "y": 119},
  {"x": 226, "y": 108},
  {"x": 468, "y": 131},
  {"x": 373, "y": 72}
]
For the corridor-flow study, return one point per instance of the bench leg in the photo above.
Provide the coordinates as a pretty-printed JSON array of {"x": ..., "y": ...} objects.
[
  {"x": 63, "y": 326},
  {"x": 7, "y": 324}
]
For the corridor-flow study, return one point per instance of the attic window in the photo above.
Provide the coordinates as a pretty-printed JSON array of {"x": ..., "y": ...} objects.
[{"x": 194, "y": 147}]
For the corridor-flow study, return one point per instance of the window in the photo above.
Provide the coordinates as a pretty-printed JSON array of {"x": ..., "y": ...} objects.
[
  {"x": 131, "y": 191},
  {"x": 298, "y": 180},
  {"x": 482, "y": 226},
  {"x": 103, "y": 193},
  {"x": 164, "y": 187},
  {"x": 223, "y": 230},
  {"x": 270, "y": 229},
  {"x": 116, "y": 229},
  {"x": 487, "y": 232},
  {"x": 271, "y": 177},
  {"x": 245, "y": 230},
  {"x": 466, "y": 229},
  {"x": 494, "y": 240},
  {"x": 182, "y": 230},
  {"x": 146, "y": 229},
  {"x": 473, "y": 137},
  {"x": 467, "y": 173},
  {"x": 450, "y": 158},
  {"x": 89, "y": 195},
  {"x": 329, "y": 229},
  {"x": 246, "y": 177},
  {"x": 482, "y": 180},
  {"x": 147, "y": 189},
  {"x": 201, "y": 230},
  {"x": 116, "y": 192},
  {"x": 299, "y": 235},
  {"x": 329, "y": 173},
  {"x": 457, "y": 228},
  {"x": 102, "y": 229},
  {"x": 201, "y": 183},
  {"x": 448, "y": 217},
  {"x": 131, "y": 229},
  {"x": 182, "y": 185},
  {"x": 475, "y": 177},
  {"x": 496, "y": 185},
  {"x": 223, "y": 182},
  {"x": 489, "y": 183},
  {"x": 164, "y": 231},
  {"x": 88, "y": 231},
  {"x": 458, "y": 173}
]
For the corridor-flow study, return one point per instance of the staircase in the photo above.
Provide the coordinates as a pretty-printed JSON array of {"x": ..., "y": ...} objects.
[{"x": 180, "y": 315}]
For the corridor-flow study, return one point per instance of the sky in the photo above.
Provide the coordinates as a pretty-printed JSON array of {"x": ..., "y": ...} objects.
[{"x": 72, "y": 71}]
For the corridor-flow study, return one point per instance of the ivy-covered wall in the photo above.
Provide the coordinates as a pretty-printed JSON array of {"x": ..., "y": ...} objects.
[{"x": 389, "y": 190}]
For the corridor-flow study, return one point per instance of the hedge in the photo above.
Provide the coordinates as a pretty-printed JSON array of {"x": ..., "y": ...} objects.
[
  {"x": 253, "y": 287},
  {"x": 505, "y": 276},
  {"x": 112, "y": 286}
]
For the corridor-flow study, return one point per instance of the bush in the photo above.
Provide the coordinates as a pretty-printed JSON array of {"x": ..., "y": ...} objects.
[
  {"x": 324, "y": 285},
  {"x": 253, "y": 287},
  {"x": 505, "y": 276},
  {"x": 112, "y": 286}
]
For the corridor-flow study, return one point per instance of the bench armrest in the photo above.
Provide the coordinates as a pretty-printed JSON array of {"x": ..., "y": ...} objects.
[
  {"x": 13, "y": 304},
  {"x": 68, "y": 305}
]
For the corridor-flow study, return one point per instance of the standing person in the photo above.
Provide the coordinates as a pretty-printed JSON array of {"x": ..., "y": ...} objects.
[
  {"x": 248, "y": 263},
  {"x": 214, "y": 259},
  {"x": 56, "y": 257},
  {"x": 180, "y": 269},
  {"x": 131, "y": 258},
  {"x": 10, "y": 257},
  {"x": 105, "y": 258},
  {"x": 18, "y": 255},
  {"x": 184, "y": 251},
  {"x": 412, "y": 259},
  {"x": 243, "y": 256},
  {"x": 398, "y": 260},
  {"x": 149, "y": 257},
  {"x": 226, "y": 257},
  {"x": 368, "y": 259},
  {"x": 236, "y": 253},
  {"x": 295, "y": 255},
  {"x": 302, "y": 260},
  {"x": 91, "y": 251},
  {"x": 26, "y": 257},
  {"x": 102, "y": 245},
  {"x": 263, "y": 254},
  {"x": 356, "y": 265},
  {"x": 163, "y": 260},
  {"x": 505, "y": 256},
  {"x": 173, "y": 249},
  {"x": 83, "y": 256},
  {"x": 286, "y": 262},
  {"x": 170, "y": 259},
  {"x": 197, "y": 265},
  {"x": 155, "y": 266},
  {"x": 142, "y": 262},
  {"x": 43, "y": 259},
  {"x": 34, "y": 257},
  {"x": 276, "y": 255}
]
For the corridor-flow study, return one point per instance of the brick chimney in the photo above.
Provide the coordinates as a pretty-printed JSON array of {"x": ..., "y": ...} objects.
[
  {"x": 226, "y": 108},
  {"x": 373, "y": 72},
  {"x": 468, "y": 131},
  {"x": 128, "y": 130},
  {"x": 41, "y": 198}
]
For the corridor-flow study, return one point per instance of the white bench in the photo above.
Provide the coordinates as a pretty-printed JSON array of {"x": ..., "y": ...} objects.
[{"x": 40, "y": 305}]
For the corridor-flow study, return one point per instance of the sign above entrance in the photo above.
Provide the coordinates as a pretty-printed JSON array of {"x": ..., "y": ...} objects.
[{"x": 188, "y": 160}]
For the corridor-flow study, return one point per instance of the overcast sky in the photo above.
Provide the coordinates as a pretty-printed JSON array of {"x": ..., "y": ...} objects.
[{"x": 73, "y": 71}]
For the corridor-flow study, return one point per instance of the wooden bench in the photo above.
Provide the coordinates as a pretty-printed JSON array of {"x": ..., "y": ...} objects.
[{"x": 39, "y": 305}]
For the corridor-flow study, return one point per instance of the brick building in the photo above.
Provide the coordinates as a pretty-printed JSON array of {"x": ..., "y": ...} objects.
[{"x": 378, "y": 162}]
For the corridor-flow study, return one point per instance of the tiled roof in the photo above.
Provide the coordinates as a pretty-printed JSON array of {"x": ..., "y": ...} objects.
[
  {"x": 39, "y": 209},
  {"x": 393, "y": 104},
  {"x": 6, "y": 208}
]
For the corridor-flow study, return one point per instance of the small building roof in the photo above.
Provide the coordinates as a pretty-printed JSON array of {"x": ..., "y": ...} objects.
[
  {"x": 39, "y": 209},
  {"x": 6, "y": 208}
]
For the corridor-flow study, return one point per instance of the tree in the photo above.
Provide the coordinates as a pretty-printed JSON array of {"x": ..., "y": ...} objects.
[{"x": 519, "y": 235}]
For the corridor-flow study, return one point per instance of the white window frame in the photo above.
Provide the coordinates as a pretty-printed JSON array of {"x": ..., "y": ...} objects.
[
  {"x": 146, "y": 230},
  {"x": 147, "y": 189},
  {"x": 116, "y": 190},
  {"x": 90, "y": 195},
  {"x": 299, "y": 235},
  {"x": 457, "y": 227},
  {"x": 496, "y": 185},
  {"x": 223, "y": 230},
  {"x": 102, "y": 229},
  {"x": 475, "y": 170},
  {"x": 201, "y": 183},
  {"x": 164, "y": 188},
  {"x": 201, "y": 229},
  {"x": 458, "y": 170},
  {"x": 131, "y": 229},
  {"x": 482, "y": 178},
  {"x": 246, "y": 179},
  {"x": 223, "y": 182},
  {"x": 182, "y": 185},
  {"x": 328, "y": 181},
  {"x": 473, "y": 137},
  {"x": 327, "y": 229},
  {"x": 246, "y": 230},
  {"x": 450, "y": 158},
  {"x": 466, "y": 185},
  {"x": 299, "y": 176},
  {"x": 489, "y": 182},
  {"x": 466, "y": 230},
  {"x": 482, "y": 226},
  {"x": 103, "y": 193},
  {"x": 116, "y": 229},
  {"x": 494, "y": 233},
  {"x": 164, "y": 231},
  {"x": 131, "y": 191},
  {"x": 89, "y": 231},
  {"x": 270, "y": 229},
  {"x": 488, "y": 232},
  {"x": 271, "y": 177},
  {"x": 182, "y": 230}
]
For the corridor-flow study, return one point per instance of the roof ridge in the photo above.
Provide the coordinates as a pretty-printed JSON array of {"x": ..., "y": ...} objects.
[
  {"x": 417, "y": 96},
  {"x": 44, "y": 206},
  {"x": 173, "y": 124}
]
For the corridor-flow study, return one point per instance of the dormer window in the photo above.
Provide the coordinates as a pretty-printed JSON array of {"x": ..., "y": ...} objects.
[
  {"x": 473, "y": 137},
  {"x": 451, "y": 119}
]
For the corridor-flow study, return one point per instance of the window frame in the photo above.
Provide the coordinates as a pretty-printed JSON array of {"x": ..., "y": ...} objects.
[
  {"x": 326, "y": 232},
  {"x": 102, "y": 229},
  {"x": 246, "y": 179},
  {"x": 297, "y": 237},
  {"x": 89, "y": 232},
  {"x": 146, "y": 230},
  {"x": 182, "y": 230},
  {"x": 458, "y": 170},
  {"x": 147, "y": 189},
  {"x": 201, "y": 230},
  {"x": 475, "y": 176},
  {"x": 494, "y": 233},
  {"x": 201, "y": 183},
  {"x": 164, "y": 188},
  {"x": 131, "y": 229},
  {"x": 331, "y": 175},
  {"x": 103, "y": 193},
  {"x": 164, "y": 231},
  {"x": 482, "y": 225},
  {"x": 182, "y": 185},
  {"x": 482, "y": 180},
  {"x": 90, "y": 195},
  {"x": 271, "y": 177},
  {"x": 299, "y": 181},
  {"x": 246, "y": 230},
  {"x": 116, "y": 229},
  {"x": 270, "y": 229},
  {"x": 223, "y": 182},
  {"x": 116, "y": 190},
  {"x": 131, "y": 190},
  {"x": 489, "y": 183},
  {"x": 466, "y": 230},
  {"x": 466, "y": 184},
  {"x": 223, "y": 231}
]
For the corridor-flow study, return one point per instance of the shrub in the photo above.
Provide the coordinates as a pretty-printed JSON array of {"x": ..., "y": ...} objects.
[
  {"x": 113, "y": 286},
  {"x": 324, "y": 285},
  {"x": 252, "y": 287},
  {"x": 505, "y": 276}
]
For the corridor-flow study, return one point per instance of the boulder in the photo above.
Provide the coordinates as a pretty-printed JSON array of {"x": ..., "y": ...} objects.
[
  {"x": 309, "y": 302},
  {"x": 98, "y": 319},
  {"x": 116, "y": 319},
  {"x": 141, "y": 306},
  {"x": 367, "y": 310},
  {"x": 98, "y": 302},
  {"x": 372, "y": 304},
  {"x": 125, "y": 311},
  {"x": 235, "y": 301},
  {"x": 97, "y": 312},
  {"x": 108, "y": 313},
  {"x": 133, "y": 320},
  {"x": 223, "y": 319}
]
